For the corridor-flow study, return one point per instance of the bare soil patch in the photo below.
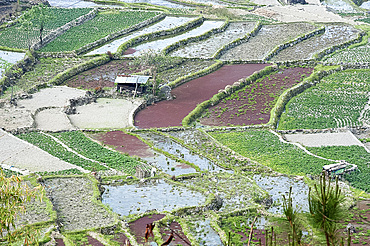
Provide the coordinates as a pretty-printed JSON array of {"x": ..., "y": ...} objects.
[
  {"x": 324, "y": 139},
  {"x": 179, "y": 236},
  {"x": 138, "y": 226},
  {"x": 188, "y": 95},
  {"x": 252, "y": 105},
  {"x": 105, "y": 114},
  {"x": 124, "y": 143},
  {"x": 102, "y": 76}
]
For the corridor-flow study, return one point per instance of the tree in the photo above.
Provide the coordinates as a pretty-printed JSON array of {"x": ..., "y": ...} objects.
[
  {"x": 156, "y": 62},
  {"x": 326, "y": 208},
  {"x": 291, "y": 215},
  {"x": 13, "y": 195},
  {"x": 36, "y": 17}
]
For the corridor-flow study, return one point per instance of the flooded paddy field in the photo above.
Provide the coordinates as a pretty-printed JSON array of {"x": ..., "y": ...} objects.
[
  {"x": 268, "y": 37},
  {"x": 171, "y": 113},
  {"x": 170, "y": 146},
  {"x": 168, "y": 22},
  {"x": 159, "y": 45},
  {"x": 153, "y": 194},
  {"x": 208, "y": 47},
  {"x": 133, "y": 146}
]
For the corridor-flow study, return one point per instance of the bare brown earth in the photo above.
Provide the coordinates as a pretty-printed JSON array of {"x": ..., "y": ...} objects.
[
  {"x": 188, "y": 95},
  {"x": 179, "y": 236},
  {"x": 124, "y": 143},
  {"x": 252, "y": 105},
  {"x": 102, "y": 76},
  {"x": 138, "y": 227}
]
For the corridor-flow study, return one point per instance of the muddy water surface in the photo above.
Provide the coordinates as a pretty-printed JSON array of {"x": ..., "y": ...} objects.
[
  {"x": 133, "y": 146},
  {"x": 188, "y": 95},
  {"x": 157, "y": 194}
]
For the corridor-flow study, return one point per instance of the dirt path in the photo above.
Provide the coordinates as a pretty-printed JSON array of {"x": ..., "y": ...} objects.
[{"x": 19, "y": 155}]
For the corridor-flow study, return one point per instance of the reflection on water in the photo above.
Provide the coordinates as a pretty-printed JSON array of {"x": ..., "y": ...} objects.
[
  {"x": 278, "y": 186},
  {"x": 157, "y": 194}
]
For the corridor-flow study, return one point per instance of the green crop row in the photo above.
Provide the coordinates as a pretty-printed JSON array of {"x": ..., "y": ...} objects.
[
  {"x": 52, "y": 147},
  {"x": 353, "y": 154},
  {"x": 266, "y": 148},
  {"x": 337, "y": 101},
  {"x": 86, "y": 147},
  {"x": 16, "y": 37},
  {"x": 103, "y": 24}
]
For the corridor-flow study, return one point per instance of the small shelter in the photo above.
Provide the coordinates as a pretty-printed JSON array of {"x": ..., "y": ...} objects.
[
  {"x": 131, "y": 82},
  {"x": 339, "y": 168}
]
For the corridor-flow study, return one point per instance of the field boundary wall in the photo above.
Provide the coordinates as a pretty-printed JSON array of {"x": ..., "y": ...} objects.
[
  {"x": 154, "y": 35},
  {"x": 229, "y": 89},
  {"x": 203, "y": 36}
]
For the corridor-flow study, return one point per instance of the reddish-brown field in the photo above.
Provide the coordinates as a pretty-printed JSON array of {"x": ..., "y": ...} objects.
[
  {"x": 252, "y": 105},
  {"x": 124, "y": 143},
  {"x": 138, "y": 226},
  {"x": 179, "y": 236},
  {"x": 188, "y": 95},
  {"x": 101, "y": 76}
]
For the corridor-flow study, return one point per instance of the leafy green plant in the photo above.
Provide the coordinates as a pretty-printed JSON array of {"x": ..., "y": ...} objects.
[
  {"x": 325, "y": 203},
  {"x": 90, "y": 149},
  {"x": 103, "y": 24}
]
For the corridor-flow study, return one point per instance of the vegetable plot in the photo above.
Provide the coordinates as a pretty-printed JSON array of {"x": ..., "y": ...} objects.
[
  {"x": 339, "y": 100},
  {"x": 16, "y": 37},
  {"x": 86, "y": 147},
  {"x": 356, "y": 55},
  {"x": 334, "y": 35},
  {"x": 266, "y": 148},
  {"x": 252, "y": 104},
  {"x": 47, "y": 144},
  {"x": 266, "y": 40},
  {"x": 102, "y": 25},
  {"x": 353, "y": 154},
  {"x": 46, "y": 69}
]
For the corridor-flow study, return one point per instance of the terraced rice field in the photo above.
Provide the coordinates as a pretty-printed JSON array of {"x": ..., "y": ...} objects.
[
  {"x": 339, "y": 100},
  {"x": 24, "y": 156},
  {"x": 183, "y": 69},
  {"x": 105, "y": 23},
  {"x": 167, "y": 23},
  {"x": 46, "y": 69},
  {"x": 252, "y": 105},
  {"x": 207, "y": 48},
  {"x": 159, "y": 45},
  {"x": 334, "y": 35},
  {"x": 171, "y": 113},
  {"x": 355, "y": 55},
  {"x": 73, "y": 199},
  {"x": 17, "y": 37},
  {"x": 269, "y": 36},
  {"x": 266, "y": 148}
]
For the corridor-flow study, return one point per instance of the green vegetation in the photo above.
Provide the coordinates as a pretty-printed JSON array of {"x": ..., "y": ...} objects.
[
  {"x": 337, "y": 101},
  {"x": 73, "y": 171},
  {"x": 103, "y": 24},
  {"x": 353, "y": 154},
  {"x": 90, "y": 149},
  {"x": 8, "y": 173},
  {"x": 366, "y": 20},
  {"x": 266, "y": 148},
  {"x": 326, "y": 209},
  {"x": 45, "y": 70},
  {"x": 17, "y": 37},
  {"x": 14, "y": 194},
  {"x": 52, "y": 147}
]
